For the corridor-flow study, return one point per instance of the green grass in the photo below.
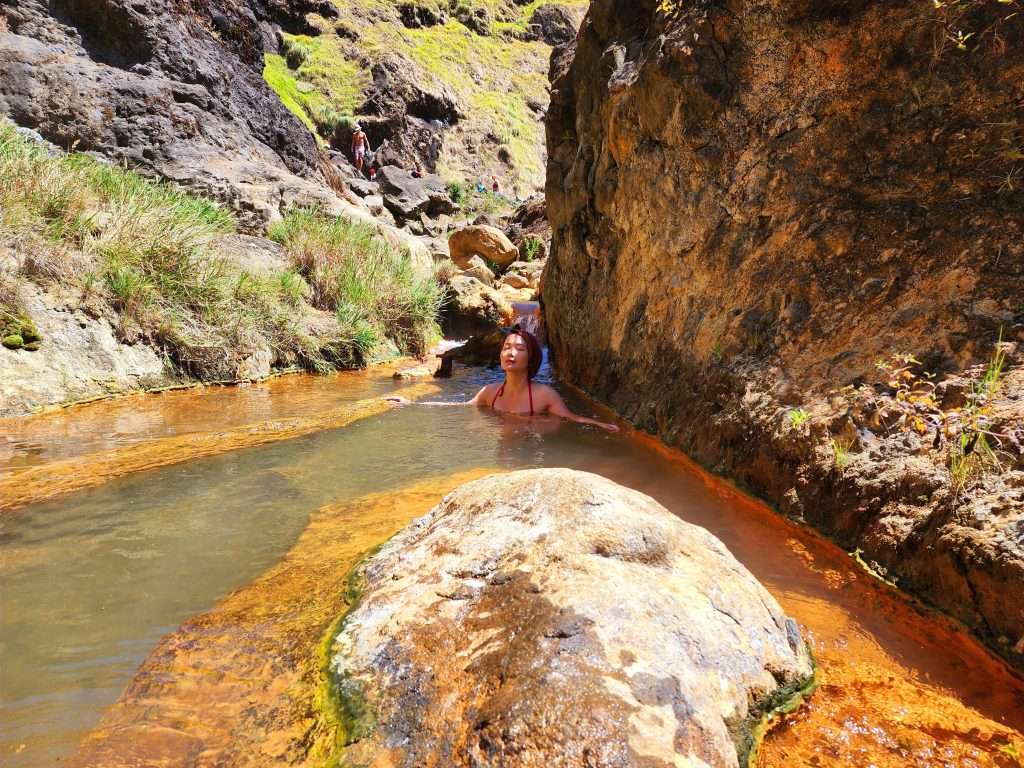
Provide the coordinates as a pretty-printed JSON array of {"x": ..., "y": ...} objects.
[
  {"x": 372, "y": 288},
  {"x": 493, "y": 78},
  {"x": 280, "y": 78},
  {"x": 797, "y": 417},
  {"x": 841, "y": 456},
  {"x": 315, "y": 82},
  {"x": 972, "y": 454},
  {"x": 531, "y": 247}
]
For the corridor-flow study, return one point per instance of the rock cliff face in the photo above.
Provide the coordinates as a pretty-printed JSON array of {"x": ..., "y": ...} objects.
[
  {"x": 173, "y": 87},
  {"x": 753, "y": 204},
  {"x": 552, "y": 617}
]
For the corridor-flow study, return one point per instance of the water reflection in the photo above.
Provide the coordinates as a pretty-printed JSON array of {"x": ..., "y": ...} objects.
[{"x": 91, "y": 581}]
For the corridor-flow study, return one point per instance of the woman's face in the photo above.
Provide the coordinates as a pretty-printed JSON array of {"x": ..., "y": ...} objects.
[{"x": 515, "y": 355}]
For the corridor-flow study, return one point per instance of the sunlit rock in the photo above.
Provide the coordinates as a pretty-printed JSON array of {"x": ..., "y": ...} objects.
[{"x": 551, "y": 617}]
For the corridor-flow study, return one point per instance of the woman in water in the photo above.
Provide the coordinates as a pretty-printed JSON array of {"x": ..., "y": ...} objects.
[{"x": 520, "y": 360}]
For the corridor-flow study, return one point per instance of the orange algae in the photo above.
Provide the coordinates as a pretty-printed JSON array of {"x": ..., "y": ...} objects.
[
  {"x": 45, "y": 481},
  {"x": 874, "y": 706},
  {"x": 239, "y": 685}
]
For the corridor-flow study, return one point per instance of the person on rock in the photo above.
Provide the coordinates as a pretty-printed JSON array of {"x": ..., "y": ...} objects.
[
  {"x": 518, "y": 394},
  {"x": 360, "y": 146},
  {"x": 373, "y": 172},
  {"x": 417, "y": 172},
  {"x": 480, "y": 186},
  {"x": 495, "y": 186}
]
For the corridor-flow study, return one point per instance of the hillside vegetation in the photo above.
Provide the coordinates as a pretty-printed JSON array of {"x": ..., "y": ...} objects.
[
  {"x": 470, "y": 64},
  {"x": 152, "y": 260}
]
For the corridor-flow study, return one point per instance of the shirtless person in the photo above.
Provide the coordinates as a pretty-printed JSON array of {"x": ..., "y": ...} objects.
[{"x": 360, "y": 146}]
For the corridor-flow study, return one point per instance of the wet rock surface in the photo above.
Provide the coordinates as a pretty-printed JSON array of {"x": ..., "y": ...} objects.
[
  {"x": 552, "y": 617},
  {"x": 239, "y": 685},
  {"x": 736, "y": 246}
]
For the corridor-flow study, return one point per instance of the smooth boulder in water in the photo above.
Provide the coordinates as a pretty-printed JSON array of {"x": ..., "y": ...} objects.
[{"x": 551, "y": 617}]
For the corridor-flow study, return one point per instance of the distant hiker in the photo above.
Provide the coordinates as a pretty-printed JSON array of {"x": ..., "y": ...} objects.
[
  {"x": 360, "y": 146},
  {"x": 480, "y": 188},
  {"x": 373, "y": 172},
  {"x": 495, "y": 186},
  {"x": 417, "y": 172}
]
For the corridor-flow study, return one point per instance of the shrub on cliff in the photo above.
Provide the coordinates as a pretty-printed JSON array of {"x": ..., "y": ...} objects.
[{"x": 371, "y": 287}]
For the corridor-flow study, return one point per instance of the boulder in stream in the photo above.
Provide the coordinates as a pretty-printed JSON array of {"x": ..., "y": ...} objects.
[
  {"x": 551, "y": 618},
  {"x": 481, "y": 240}
]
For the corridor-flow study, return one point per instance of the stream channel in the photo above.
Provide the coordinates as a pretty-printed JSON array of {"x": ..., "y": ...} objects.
[{"x": 92, "y": 579}]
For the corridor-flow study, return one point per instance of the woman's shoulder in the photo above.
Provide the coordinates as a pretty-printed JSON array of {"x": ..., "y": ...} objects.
[
  {"x": 488, "y": 391},
  {"x": 545, "y": 391}
]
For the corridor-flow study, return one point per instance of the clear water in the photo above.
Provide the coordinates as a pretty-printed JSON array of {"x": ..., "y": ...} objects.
[{"x": 92, "y": 580}]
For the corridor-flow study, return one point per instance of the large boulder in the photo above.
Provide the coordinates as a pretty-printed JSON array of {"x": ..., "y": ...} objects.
[
  {"x": 553, "y": 618},
  {"x": 363, "y": 187},
  {"x": 554, "y": 24},
  {"x": 80, "y": 356},
  {"x": 408, "y": 198},
  {"x": 481, "y": 240},
  {"x": 473, "y": 307}
]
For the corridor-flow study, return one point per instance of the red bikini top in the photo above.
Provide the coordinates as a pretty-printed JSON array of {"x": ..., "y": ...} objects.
[{"x": 501, "y": 391}]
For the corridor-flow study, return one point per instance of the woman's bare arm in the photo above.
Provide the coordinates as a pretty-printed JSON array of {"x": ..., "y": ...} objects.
[
  {"x": 479, "y": 399},
  {"x": 557, "y": 407}
]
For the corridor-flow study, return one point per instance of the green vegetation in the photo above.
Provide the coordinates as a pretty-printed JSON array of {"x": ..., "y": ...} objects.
[
  {"x": 476, "y": 203},
  {"x": 972, "y": 445},
  {"x": 873, "y": 569},
  {"x": 372, "y": 288},
  {"x": 974, "y": 451},
  {"x": 531, "y": 247},
  {"x": 963, "y": 23},
  {"x": 494, "y": 77},
  {"x": 315, "y": 82},
  {"x": 458, "y": 192},
  {"x": 296, "y": 53},
  {"x": 17, "y": 331},
  {"x": 340, "y": 701},
  {"x": 146, "y": 251},
  {"x": 841, "y": 456},
  {"x": 785, "y": 700},
  {"x": 797, "y": 417}
]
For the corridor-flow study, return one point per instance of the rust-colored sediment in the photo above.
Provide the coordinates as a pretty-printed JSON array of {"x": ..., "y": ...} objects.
[
  {"x": 38, "y": 483},
  {"x": 238, "y": 685},
  {"x": 871, "y": 707}
]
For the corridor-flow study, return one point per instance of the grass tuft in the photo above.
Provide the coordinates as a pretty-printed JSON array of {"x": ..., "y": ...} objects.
[
  {"x": 797, "y": 417},
  {"x": 370, "y": 286},
  {"x": 841, "y": 455}
]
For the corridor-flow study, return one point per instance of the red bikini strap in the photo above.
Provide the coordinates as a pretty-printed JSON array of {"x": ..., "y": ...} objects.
[{"x": 499, "y": 393}]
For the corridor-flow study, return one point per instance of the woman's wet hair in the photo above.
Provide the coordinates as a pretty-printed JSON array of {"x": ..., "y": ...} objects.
[{"x": 534, "y": 355}]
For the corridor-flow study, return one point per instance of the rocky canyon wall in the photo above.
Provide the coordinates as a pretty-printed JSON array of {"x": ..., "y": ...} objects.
[
  {"x": 753, "y": 204},
  {"x": 171, "y": 86}
]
